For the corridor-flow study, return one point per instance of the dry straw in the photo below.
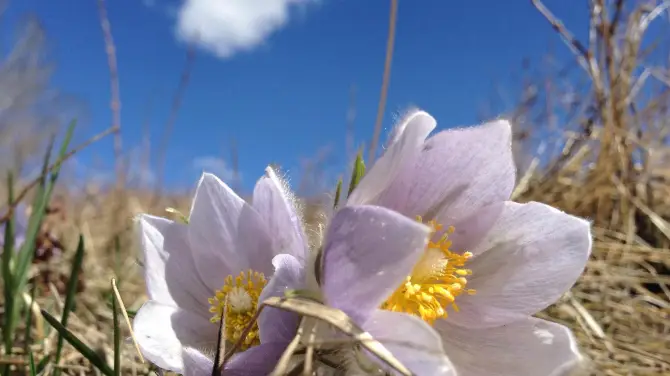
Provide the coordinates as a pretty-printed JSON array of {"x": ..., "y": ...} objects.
[{"x": 611, "y": 167}]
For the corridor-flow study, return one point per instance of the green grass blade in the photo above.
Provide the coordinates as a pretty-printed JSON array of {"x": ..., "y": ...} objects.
[
  {"x": 71, "y": 290},
  {"x": 338, "y": 192},
  {"x": 33, "y": 370},
  {"x": 63, "y": 150},
  {"x": 7, "y": 253},
  {"x": 117, "y": 338},
  {"x": 23, "y": 260},
  {"x": 357, "y": 173},
  {"x": 29, "y": 319},
  {"x": 25, "y": 256},
  {"x": 117, "y": 259},
  {"x": 84, "y": 350},
  {"x": 42, "y": 198},
  {"x": 43, "y": 364},
  {"x": 41, "y": 201}
]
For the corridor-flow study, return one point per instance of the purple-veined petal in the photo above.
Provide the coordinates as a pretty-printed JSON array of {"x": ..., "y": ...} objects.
[
  {"x": 276, "y": 325},
  {"x": 253, "y": 242},
  {"x": 529, "y": 347},
  {"x": 532, "y": 255},
  {"x": 276, "y": 209},
  {"x": 256, "y": 361},
  {"x": 413, "y": 342},
  {"x": 470, "y": 231},
  {"x": 196, "y": 363},
  {"x": 169, "y": 268},
  {"x": 368, "y": 253},
  {"x": 162, "y": 331},
  {"x": 212, "y": 231},
  {"x": 457, "y": 172},
  {"x": 410, "y": 134}
]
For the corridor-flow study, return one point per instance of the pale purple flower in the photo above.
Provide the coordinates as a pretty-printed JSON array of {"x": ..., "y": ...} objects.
[
  {"x": 191, "y": 269},
  {"x": 492, "y": 263},
  {"x": 20, "y": 228},
  {"x": 367, "y": 252}
]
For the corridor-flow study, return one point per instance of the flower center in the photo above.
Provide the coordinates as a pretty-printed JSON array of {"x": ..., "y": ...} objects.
[
  {"x": 238, "y": 297},
  {"x": 437, "y": 279}
]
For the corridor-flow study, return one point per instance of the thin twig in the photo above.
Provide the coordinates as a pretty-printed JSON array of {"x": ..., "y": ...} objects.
[
  {"x": 220, "y": 342},
  {"x": 584, "y": 57},
  {"x": 174, "y": 111},
  {"x": 309, "y": 354},
  {"x": 235, "y": 165},
  {"x": 117, "y": 295},
  {"x": 68, "y": 155},
  {"x": 246, "y": 331},
  {"x": 385, "y": 82},
  {"x": 349, "y": 130},
  {"x": 115, "y": 103},
  {"x": 284, "y": 360},
  {"x": 339, "y": 320}
]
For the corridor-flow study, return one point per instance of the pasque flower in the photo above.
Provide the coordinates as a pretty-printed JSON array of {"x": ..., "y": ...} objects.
[
  {"x": 220, "y": 261},
  {"x": 367, "y": 252},
  {"x": 20, "y": 228},
  {"x": 491, "y": 263}
]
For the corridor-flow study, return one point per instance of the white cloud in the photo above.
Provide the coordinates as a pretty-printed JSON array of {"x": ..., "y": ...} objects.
[
  {"x": 226, "y": 27},
  {"x": 216, "y": 166}
]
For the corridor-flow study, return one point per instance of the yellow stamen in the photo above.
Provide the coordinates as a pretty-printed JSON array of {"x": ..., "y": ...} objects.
[
  {"x": 436, "y": 281},
  {"x": 239, "y": 297}
]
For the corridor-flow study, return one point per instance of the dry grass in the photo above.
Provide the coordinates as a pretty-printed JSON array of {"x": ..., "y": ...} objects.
[{"x": 611, "y": 168}]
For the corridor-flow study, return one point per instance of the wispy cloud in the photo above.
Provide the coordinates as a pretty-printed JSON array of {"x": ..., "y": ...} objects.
[
  {"x": 226, "y": 27},
  {"x": 216, "y": 166}
]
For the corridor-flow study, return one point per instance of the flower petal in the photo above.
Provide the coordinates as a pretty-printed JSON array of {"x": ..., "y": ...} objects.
[
  {"x": 415, "y": 344},
  {"x": 252, "y": 241},
  {"x": 258, "y": 360},
  {"x": 410, "y": 135},
  {"x": 470, "y": 231},
  {"x": 532, "y": 255},
  {"x": 368, "y": 252},
  {"x": 162, "y": 331},
  {"x": 169, "y": 268},
  {"x": 275, "y": 207},
  {"x": 276, "y": 325},
  {"x": 528, "y": 347},
  {"x": 457, "y": 172},
  {"x": 212, "y": 231},
  {"x": 20, "y": 227},
  {"x": 196, "y": 363}
]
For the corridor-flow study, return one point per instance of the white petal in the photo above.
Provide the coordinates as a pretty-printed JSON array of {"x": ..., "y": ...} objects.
[
  {"x": 162, "y": 331},
  {"x": 411, "y": 135},
  {"x": 169, "y": 268},
  {"x": 415, "y": 344},
  {"x": 529, "y": 347},
  {"x": 457, "y": 172},
  {"x": 277, "y": 211},
  {"x": 213, "y": 228},
  {"x": 531, "y": 256}
]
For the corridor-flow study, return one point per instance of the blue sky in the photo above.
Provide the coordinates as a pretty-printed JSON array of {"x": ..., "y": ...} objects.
[{"x": 284, "y": 96}]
